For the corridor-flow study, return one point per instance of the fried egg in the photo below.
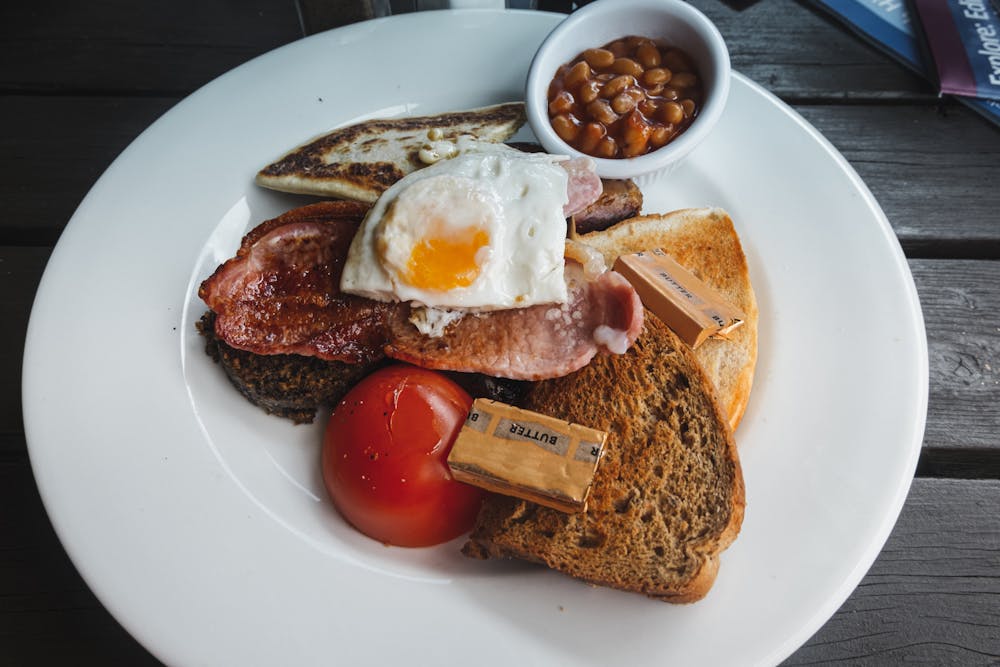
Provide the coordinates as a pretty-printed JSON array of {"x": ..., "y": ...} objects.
[{"x": 483, "y": 230}]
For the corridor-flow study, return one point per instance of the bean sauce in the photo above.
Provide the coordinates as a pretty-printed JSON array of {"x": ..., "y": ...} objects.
[{"x": 625, "y": 99}]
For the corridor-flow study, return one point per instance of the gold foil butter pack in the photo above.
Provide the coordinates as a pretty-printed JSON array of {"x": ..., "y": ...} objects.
[
  {"x": 527, "y": 455},
  {"x": 695, "y": 311}
]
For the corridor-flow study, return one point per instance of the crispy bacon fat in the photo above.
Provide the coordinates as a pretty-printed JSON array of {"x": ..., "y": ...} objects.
[{"x": 281, "y": 293}]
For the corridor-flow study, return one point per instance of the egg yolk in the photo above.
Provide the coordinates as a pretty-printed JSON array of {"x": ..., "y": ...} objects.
[{"x": 442, "y": 262}]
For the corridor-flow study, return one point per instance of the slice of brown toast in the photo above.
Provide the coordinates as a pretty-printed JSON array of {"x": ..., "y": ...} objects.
[
  {"x": 668, "y": 495},
  {"x": 360, "y": 161},
  {"x": 704, "y": 241}
]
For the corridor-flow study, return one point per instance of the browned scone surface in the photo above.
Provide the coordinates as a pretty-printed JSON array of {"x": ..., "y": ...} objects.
[
  {"x": 287, "y": 385},
  {"x": 668, "y": 496},
  {"x": 309, "y": 158},
  {"x": 362, "y": 160}
]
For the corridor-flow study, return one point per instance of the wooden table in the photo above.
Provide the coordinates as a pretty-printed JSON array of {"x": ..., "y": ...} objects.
[{"x": 82, "y": 80}]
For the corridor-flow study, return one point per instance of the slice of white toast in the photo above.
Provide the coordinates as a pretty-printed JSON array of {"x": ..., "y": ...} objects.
[{"x": 704, "y": 241}]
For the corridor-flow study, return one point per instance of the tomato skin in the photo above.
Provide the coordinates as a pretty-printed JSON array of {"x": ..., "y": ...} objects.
[{"x": 384, "y": 458}]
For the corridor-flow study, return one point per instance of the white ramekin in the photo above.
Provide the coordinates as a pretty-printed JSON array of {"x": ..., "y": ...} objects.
[{"x": 671, "y": 22}]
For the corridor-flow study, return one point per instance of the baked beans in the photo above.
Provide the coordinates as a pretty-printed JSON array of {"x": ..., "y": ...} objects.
[{"x": 627, "y": 98}]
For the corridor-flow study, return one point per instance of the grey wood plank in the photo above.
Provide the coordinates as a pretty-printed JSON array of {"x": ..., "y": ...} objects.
[
  {"x": 961, "y": 306},
  {"x": 48, "y": 616},
  {"x": 933, "y": 595},
  {"x": 318, "y": 16},
  {"x": 899, "y": 151},
  {"x": 139, "y": 47},
  {"x": 20, "y": 271},
  {"x": 766, "y": 42},
  {"x": 62, "y": 146}
]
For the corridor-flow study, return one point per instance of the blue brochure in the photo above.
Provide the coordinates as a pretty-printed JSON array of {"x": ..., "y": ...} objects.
[
  {"x": 889, "y": 26},
  {"x": 963, "y": 37}
]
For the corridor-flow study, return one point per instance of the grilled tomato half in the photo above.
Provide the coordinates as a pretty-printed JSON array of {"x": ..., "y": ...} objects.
[{"x": 384, "y": 458}]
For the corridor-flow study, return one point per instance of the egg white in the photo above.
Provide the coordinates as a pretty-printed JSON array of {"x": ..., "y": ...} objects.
[{"x": 516, "y": 198}]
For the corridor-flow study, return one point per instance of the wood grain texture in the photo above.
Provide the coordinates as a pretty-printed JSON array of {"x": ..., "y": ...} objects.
[
  {"x": 961, "y": 310},
  {"x": 318, "y": 16},
  {"x": 139, "y": 47},
  {"x": 48, "y": 616},
  {"x": 765, "y": 40},
  {"x": 933, "y": 173},
  {"x": 20, "y": 271},
  {"x": 79, "y": 81},
  {"x": 933, "y": 595},
  {"x": 961, "y": 306},
  {"x": 897, "y": 150},
  {"x": 62, "y": 146}
]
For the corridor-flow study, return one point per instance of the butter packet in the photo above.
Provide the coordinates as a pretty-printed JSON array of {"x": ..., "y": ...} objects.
[
  {"x": 527, "y": 455},
  {"x": 695, "y": 311}
]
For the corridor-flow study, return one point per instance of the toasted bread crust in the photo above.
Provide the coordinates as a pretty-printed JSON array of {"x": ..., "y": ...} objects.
[
  {"x": 705, "y": 242},
  {"x": 360, "y": 161},
  {"x": 668, "y": 496}
]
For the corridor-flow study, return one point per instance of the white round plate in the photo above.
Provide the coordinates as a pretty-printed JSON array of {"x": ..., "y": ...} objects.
[{"x": 201, "y": 523}]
